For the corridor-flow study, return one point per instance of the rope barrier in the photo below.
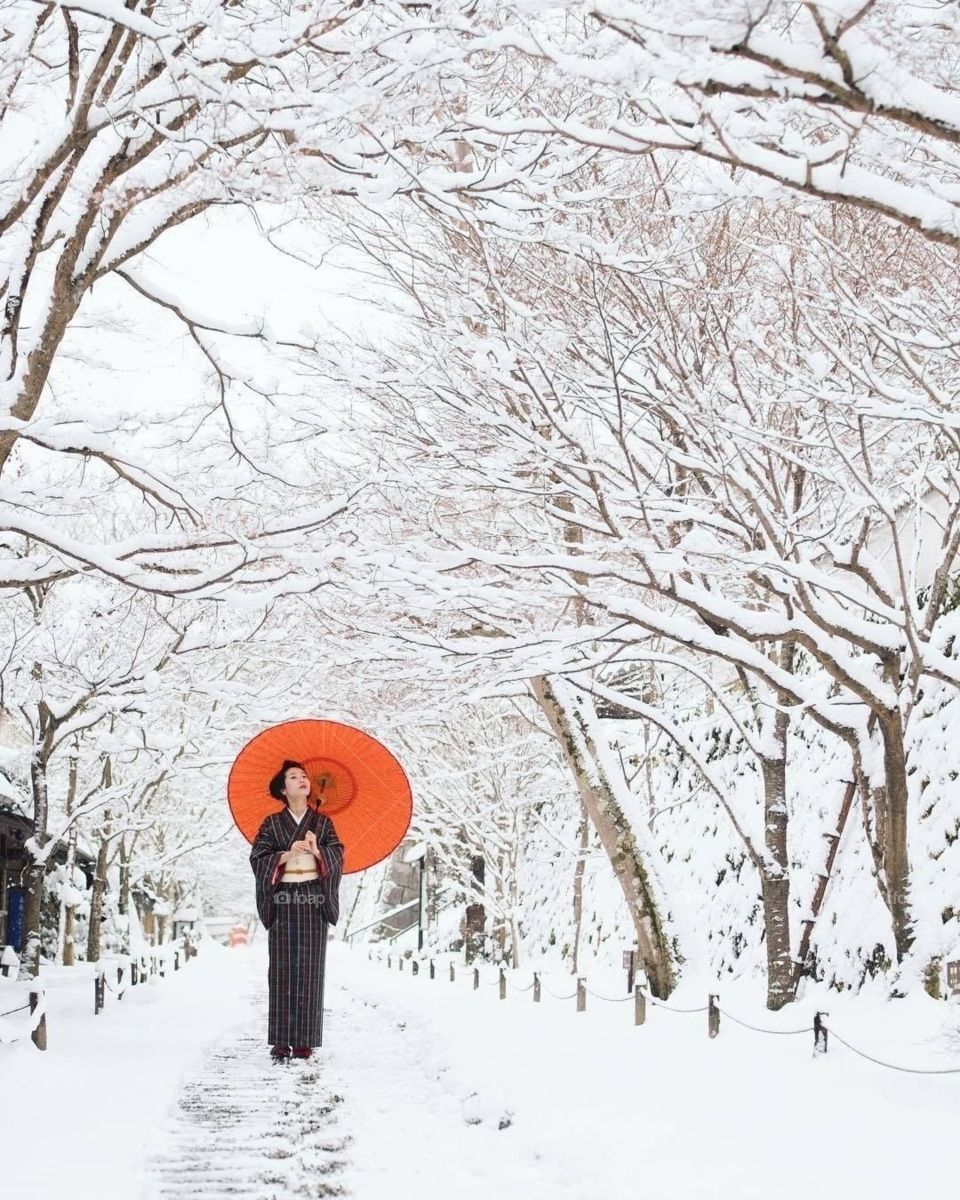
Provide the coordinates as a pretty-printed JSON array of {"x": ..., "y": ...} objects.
[
  {"x": 10, "y": 1012},
  {"x": 729, "y": 1016},
  {"x": 102, "y": 974},
  {"x": 554, "y": 994},
  {"x": 609, "y": 999},
  {"x": 759, "y": 1029},
  {"x": 894, "y": 1066},
  {"x": 659, "y": 1004},
  {"x": 38, "y": 1015}
]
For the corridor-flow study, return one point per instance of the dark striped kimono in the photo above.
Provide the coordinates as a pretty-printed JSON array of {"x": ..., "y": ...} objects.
[{"x": 296, "y": 916}]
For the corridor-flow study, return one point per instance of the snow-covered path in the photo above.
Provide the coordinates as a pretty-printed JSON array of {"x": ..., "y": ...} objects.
[
  {"x": 244, "y": 1126},
  {"x": 428, "y": 1090},
  {"x": 371, "y": 1115}
]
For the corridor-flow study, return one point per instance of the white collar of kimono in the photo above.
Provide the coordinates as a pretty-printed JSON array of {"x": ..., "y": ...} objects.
[{"x": 297, "y": 820}]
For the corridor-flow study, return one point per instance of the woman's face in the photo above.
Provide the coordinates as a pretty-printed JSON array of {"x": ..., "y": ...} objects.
[{"x": 296, "y": 784}]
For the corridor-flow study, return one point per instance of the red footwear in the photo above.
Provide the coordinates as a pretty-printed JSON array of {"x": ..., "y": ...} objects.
[
  {"x": 279, "y": 1052},
  {"x": 302, "y": 1051}
]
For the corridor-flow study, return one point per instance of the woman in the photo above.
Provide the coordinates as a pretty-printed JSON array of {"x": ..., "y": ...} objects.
[{"x": 297, "y": 860}]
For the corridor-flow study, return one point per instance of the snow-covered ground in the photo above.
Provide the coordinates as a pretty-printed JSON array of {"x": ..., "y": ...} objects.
[
  {"x": 429, "y": 1089},
  {"x": 74, "y": 1119}
]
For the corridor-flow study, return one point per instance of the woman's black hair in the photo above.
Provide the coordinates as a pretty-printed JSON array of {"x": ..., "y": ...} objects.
[{"x": 277, "y": 782}]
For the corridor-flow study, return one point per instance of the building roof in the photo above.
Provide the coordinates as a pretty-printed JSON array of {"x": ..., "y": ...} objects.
[
  {"x": 83, "y": 852},
  {"x": 10, "y": 808},
  {"x": 9, "y": 792}
]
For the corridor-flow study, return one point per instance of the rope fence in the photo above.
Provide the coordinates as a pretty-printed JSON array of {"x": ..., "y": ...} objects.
[
  {"x": 140, "y": 968},
  {"x": 130, "y": 970},
  {"x": 895, "y": 1066},
  {"x": 37, "y": 1028},
  {"x": 682, "y": 1011},
  {"x": 555, "y": 996},
  {"x": 819, "y": 1030},
  {"x": 761, "y": 1029}
]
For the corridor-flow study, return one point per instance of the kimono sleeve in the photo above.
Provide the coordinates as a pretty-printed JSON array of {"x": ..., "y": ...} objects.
[
  {"x": 330, "y": 863},
  {"x": 267, "y": 868}
]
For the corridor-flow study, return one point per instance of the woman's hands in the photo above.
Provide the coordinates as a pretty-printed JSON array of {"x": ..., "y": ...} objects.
[{"x": 302, "y": 846}]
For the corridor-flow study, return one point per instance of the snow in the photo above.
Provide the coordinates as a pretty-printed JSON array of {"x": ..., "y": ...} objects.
[
  {"x": 105, "y": 1080},
  {"x": 446, "y": 1091},
  {"x": 119, "y": 14},
  {"x": 220, "y": 424},
  {"x": 590, "y": 1096}
]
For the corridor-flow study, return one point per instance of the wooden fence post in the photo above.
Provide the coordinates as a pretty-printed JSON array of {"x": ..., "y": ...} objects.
[
  {"x": 134, "y": 972},
  {"x": 581, "y": 995},
  {"x": 713, "y": 1017},
  {"x": 476, "y": 978},
  {"x": 503, "y": 984},
  {"x": 415, "y": 967},
  {"x": 536, "y": 987},
  {"x": 400, "y": 962},
  {"x": 98, "y": 982},
  {"x": 819, "y": 1033},
  {"x": 389, "y": 962},
  {"x": 39, "y": 1035},
  {"x": 451, "y": 972},
  {"x": 639, "y": 1006},
  {"x": 433, "y": 972},
  {"x": 119, "y": 981}
]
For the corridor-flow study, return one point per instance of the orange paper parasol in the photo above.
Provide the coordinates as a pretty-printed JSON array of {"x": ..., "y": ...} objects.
[{"x": 356, "y": 782}]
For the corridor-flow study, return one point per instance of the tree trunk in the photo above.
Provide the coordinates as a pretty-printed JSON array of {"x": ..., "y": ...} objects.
[
  {"x": 149, "y": 925},
  {"x": 67, "y": 951},
  {"x": 500, "y": 905},
  {"x": 431, "y": 886},
  {"x": 578, "y": 886},
  {"x": 890, "y": 806},
  {"x": 163, "y": 918},
  {"x": 69, "y": 937},
  {"x": 123, "y": 899},
  {"x": 514, "y": 891},
  {"x": 568, "y": 718},
  {"x": 97, "y": 892},
  {"x": 775, "y": 887},
  {"x": 36, "y": 872},
  {"x": 63, "y": 307},
  {"x": 476, "y": 916}
]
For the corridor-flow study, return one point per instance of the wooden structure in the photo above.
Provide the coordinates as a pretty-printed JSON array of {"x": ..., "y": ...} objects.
[
  {"x": 15, "y": 828},
  {"x": 185, "y": 921}
]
